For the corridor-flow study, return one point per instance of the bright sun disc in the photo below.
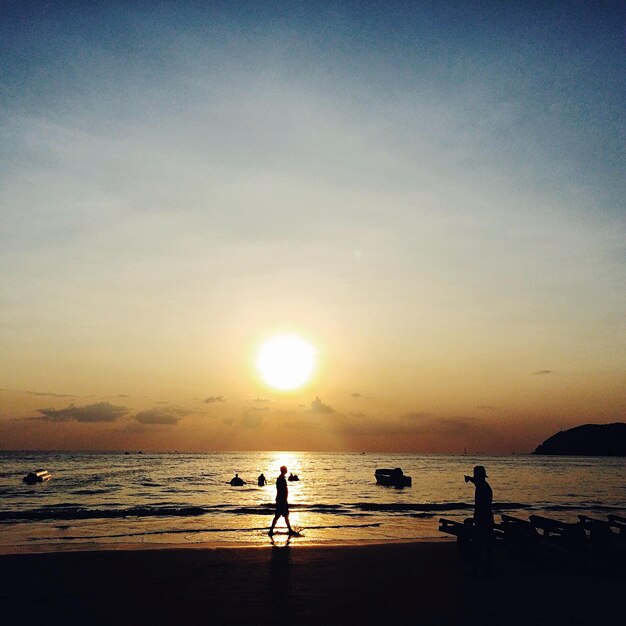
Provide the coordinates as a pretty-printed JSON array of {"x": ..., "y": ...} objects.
[{"x": 286, "y": 362}]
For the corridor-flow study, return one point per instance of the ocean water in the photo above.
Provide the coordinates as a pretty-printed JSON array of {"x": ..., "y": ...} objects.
[{"x": 115, "y": 498}]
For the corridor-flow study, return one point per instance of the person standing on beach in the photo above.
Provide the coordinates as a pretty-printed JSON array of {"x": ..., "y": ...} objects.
[
  {"x": 483, "y": 520},
  {"x": 282, "y": 505}
]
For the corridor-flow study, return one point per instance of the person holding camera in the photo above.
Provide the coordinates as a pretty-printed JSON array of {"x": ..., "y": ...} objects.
[{"x": 483, "y": 521}]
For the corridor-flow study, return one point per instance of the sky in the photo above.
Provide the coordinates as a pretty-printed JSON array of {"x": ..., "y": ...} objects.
[{"x": 431, "y": 194}]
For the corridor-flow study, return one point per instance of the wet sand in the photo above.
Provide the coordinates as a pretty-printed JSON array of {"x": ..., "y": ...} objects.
[{"x": 417, "y": 583}]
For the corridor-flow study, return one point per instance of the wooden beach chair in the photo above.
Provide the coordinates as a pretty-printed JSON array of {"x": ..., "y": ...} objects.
[
  {"x": 562, "y": 539},
  {"x": 602, "y": 541},
  {"x": 517, "y": 532},
  {"x": 464, "y": 533},
  {"x": 618, "y": 526},
  {"x": 619, "y": 523},
  {"x": 523, "y": 540}
]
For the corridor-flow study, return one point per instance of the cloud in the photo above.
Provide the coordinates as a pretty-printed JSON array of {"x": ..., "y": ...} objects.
[
  {"x": 317, "y": 406},
  {"x": 261, "y": 400},
  {"x": 247, "y": 421},
  {"x": 356, "y": 394},
  {"x": 449, "y": 426},
  {"x": 415, "y": 415},
  {"x": 455, "y": 425},
  {"x": 411, "y": 424},
  {"x": 251, "y": 421},
  {"x": 49, "y": 394},
  {"x": 98, "y": 412},
  {"x": 300, "y": 424},
  {"x": 423, "y": 423},
  {"x": 260, "y": 408},
  {"x": 161, "y": 416},
  {"x": 485, "y": 407},
  {"x": 542, "y": 372},
  {"x": 213, "y": 399}
]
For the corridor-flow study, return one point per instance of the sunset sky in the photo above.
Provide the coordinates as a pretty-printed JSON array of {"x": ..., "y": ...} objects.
[{"x": 431, "y": 194}]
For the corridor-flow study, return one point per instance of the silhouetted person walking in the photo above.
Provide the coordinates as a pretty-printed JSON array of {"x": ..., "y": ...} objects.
[
  {"x": 483, "y": 521},
  {"x": 282, "y": 505}
]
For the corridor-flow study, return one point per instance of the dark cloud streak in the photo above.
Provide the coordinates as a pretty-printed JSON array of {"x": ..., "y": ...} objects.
[
  {"x": 98, "y": 412},
  {"x": 317, "y": 406},
  {"x": 49, "y": 394},
  {"x": 160, "y": 416}
]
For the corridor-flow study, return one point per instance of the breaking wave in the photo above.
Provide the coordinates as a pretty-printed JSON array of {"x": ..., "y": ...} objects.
[{"x": 71, "y": 511}]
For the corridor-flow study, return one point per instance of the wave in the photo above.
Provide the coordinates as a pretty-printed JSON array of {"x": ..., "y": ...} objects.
[
  {"x": 431, "y": 506},
  {"x": 73, "y": 511},
  {"x": 63, "y": 513},
  {"x": 583, "y": 507},
  {"x": 195, "y": 531}
]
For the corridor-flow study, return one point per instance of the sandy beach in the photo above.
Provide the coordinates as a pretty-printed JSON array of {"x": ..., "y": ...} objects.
[{"x": 397, "y": 583}]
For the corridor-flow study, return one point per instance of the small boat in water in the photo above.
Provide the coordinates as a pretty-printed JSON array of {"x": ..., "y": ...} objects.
[
  {"x": 40, "y": 476},
  {"x": 392, "y": 478}
]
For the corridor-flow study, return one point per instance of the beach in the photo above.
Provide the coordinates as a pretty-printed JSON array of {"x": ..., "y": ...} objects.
[
  {"x": 392, "y": 583},
  {"x": 164, "y": 539}
]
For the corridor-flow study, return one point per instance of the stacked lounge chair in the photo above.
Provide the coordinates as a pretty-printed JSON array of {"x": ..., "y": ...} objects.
[{"x": 590, "y": 542}]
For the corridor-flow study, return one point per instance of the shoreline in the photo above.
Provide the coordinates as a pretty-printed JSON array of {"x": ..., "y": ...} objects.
[
  {"x": 420, "y": 582},
  {"x": 65, "y": 548}
]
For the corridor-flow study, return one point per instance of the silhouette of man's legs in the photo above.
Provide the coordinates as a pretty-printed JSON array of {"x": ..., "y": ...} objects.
[
  {"x": 276, "y": 517},
  {"x": 482, "y": 551},
  {"x": 274, "y": 523}
]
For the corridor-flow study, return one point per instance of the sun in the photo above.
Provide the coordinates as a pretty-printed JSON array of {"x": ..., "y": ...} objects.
[{"x": 286, "y": 362}]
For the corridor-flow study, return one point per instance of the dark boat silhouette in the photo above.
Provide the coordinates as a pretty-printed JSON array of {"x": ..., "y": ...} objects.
[
  {"x": 392, "y": 478},
  {"x": 39, "y": 476}
]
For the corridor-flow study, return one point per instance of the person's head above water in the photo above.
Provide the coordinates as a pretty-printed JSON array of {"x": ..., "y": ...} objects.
[
  {"x": 283, "y": 469},
  {"x": 480, "y": 472}
]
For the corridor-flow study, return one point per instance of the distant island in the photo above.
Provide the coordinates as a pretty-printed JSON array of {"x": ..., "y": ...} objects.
[{"x": 587, "y": 440}]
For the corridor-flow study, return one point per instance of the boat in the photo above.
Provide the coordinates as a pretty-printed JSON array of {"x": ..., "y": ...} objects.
[
  {"x": 392, "y": 478},
  {"x": 39, "y": 476}
]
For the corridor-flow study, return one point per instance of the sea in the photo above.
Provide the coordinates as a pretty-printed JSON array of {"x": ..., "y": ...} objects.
[{"x": 116, "y": 499}]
